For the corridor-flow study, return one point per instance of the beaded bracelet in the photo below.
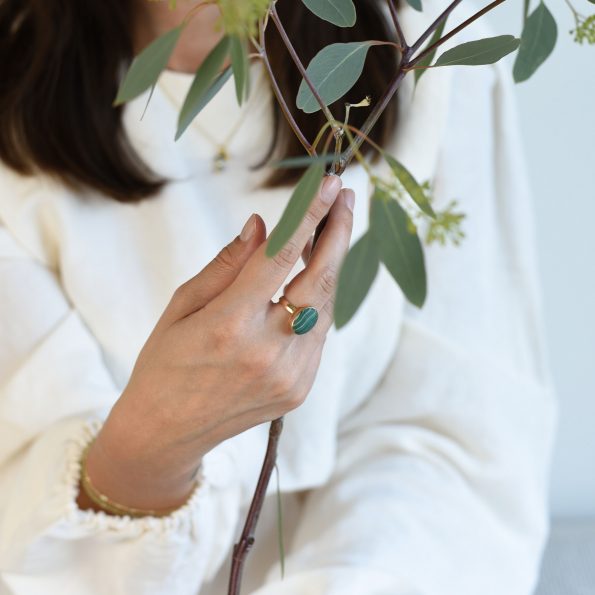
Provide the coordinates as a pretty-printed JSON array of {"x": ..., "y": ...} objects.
[{"x": 108, "y": 505}]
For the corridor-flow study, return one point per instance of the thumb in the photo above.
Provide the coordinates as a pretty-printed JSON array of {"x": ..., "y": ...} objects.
[{"x": 199, "y": 290}]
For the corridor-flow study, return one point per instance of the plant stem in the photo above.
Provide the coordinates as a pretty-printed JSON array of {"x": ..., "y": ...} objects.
[
  {"x": 241, "y": 549},
  {"x": 373, "y": 117},
  {"x": 526, "y": 4},
  {"x": 285, "y": 108},
  {"x": 415, "y": 47},
  {"x": 399, "y": 30},
  {"x": 456, "y": 30},
  {"x": 262, "y": 52},
  {"x": 570, "y": 5},
  {"x": 300, "y": 66}
]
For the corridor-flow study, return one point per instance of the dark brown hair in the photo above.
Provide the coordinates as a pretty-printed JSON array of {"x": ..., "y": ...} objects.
[{"x": 61, "y": 62}]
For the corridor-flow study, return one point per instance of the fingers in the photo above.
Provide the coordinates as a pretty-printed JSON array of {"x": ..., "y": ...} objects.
[
  {"x": 307, "y": 250},
  {"x": 262, "y": 276},
  {"x": 198, "y": 291},
  {"x": 316, "y": 284}
]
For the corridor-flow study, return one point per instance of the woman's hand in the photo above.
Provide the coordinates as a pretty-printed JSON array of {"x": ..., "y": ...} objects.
[{"x": 221, "y": 359}]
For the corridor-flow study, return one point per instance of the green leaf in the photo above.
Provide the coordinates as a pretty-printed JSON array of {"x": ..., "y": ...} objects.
[
  {"x": 337, "y": 12},
  {"x": 399, "y": 249},
  {"x": 296, "y": 208},
  {"x": 201, "y": 85},
  {"x": 333, "y": 71},
  {"x": 537, "y": 43},
  {"x": 411, "y": 185},
  {"x": 482, "y": 51},
  {"x": 428, "y": 59},
  {"x": 241, "y": 68},
  {"x": 416, "y": 4},
  {"x": 357, "y": 274},
  {"x": 147, "y": 66},
  {"x": 207, "y": 96}
]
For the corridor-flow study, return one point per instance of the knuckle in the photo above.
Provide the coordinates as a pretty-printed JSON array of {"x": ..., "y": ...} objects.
[
  {"x": 261, "y": 361},
  {"x": 282, "y": 386},
  {"x": 226, "y": 333},
  {"x": 225, "y": 259},
  {"x": 221, "y": 338},
  {"x": 346, "y": 220},
  {"x": 287, "y": 256},
  {"x": 327, "y": 280},
  {"x": 294, "y": 400},
  {"x": 180, "y": 292},
  {"x": 313, "y": 215}
]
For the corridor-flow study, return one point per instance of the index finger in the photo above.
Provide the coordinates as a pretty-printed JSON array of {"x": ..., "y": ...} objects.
[{"x": 262, "y": 275}]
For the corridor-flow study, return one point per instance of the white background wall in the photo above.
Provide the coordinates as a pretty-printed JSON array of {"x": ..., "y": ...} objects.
[{"x": 557, "y": 108}]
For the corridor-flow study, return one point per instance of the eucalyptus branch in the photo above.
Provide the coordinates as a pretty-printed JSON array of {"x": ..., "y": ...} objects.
[
  {"x": 426, "y": 34},
  {"x": 456, "y": 30},
  {"x": 399, "y": 30},
  {"x": 246, "y": 541},
  {"x": 279, "y": 95},
  {"x": 143, "y": 76},
  {"x": 320, "y": 134},
  {"x": 300, "y": 66},
  {"x": 285, "y": 109}
]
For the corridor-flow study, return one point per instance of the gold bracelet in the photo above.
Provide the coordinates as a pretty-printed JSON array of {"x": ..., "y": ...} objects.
[{"x": 109, "y": 505}]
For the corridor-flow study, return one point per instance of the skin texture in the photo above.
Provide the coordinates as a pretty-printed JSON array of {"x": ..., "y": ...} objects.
[{"x": 221, "y": 358}]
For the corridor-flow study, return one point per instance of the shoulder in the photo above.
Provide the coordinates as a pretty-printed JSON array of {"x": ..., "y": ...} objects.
[{"x": 27, "y": 212}]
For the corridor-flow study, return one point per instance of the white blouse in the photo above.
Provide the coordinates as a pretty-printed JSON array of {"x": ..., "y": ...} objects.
[{"x": 418, "y": 463}]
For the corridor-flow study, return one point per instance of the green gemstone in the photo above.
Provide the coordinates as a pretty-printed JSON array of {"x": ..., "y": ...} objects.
[{"x": 305, "y": 320}]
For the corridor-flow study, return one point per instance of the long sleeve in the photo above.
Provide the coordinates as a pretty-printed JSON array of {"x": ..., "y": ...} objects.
[
  {"x": 440, "y": 485},
  {"x": 55, "y": 391}
]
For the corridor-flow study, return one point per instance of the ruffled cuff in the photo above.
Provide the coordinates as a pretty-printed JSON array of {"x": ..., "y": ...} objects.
[
  {"x": 43, "y": 533},
  {"x": 179, "y": 520}
]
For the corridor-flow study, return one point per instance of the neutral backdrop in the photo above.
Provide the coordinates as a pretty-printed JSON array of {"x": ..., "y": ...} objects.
[{"x": 557, "y": 108}]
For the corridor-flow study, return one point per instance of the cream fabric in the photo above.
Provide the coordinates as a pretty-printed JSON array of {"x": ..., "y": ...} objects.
[{"x": 417, "y": 465}]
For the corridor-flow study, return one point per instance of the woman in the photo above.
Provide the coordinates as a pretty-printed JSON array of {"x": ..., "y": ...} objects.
[{"x": 417, "y": 464}]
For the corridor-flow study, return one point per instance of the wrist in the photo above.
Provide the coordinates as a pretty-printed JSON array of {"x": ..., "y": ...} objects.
[{"x": 115, "y": 468}]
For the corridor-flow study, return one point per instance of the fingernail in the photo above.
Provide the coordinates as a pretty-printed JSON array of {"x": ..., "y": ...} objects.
[
  {"x": 330, "y": 188},
  {"x": 349, "y": 198},
  {"x": 248, "y": 229}
]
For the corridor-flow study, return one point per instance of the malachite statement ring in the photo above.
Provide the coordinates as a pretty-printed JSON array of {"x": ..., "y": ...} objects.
[{"x": 302, "y": 319}]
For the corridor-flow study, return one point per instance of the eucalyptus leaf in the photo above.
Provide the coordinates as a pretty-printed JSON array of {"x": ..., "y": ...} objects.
[
  {"x": 201, "y": 85},
  {"x": 400, "y": 250},
  {"x": 411, "y": 185},
  {"x": 482, "y": 51},
  {"x": 241, "y": 68},
  {"x": 357, "y": 274},
  {"x": 147, "y": 66},
  {"x": 333, "y": 71},
  {"x": 418, "y": 72},
  {"x": 537, "y": 43},
  {"x": 337, "y": 12},
  {"x": 416, "y": 4},
  {"x": 296, "y": 208}
]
